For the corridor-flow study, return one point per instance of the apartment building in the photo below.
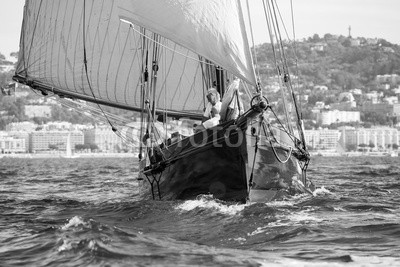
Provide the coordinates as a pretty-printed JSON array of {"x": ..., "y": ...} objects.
[{"x": 47, "y": 140}]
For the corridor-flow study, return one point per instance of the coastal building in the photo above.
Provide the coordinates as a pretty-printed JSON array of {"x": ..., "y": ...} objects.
[
  {"x": 318, "y": 47},
  {"x": 343, "y": 106},
  {"x": 390, "y": 79},
  {"x": 346, "y": 102},
  {"x": 373, "y": 97},
  {"x": 21, "y": 90},
  {"x": 391, "y": 100},
  {"x": 372, "y": 41},
  {"x": 33, "y": 111},
  {"x": 322, "y": 139},
  {"x": 378, "y": 138},
  {"x": 355, "y": 42},
  {"x": 56, "y": 140},
  {"x": 58, "y": 125},
  {"x": 396, "y": 110},
  {"x": 21, "y": 126},
  {"x": 6, "y": 67},
  {"x": 322, "y": 88},
  {"x": 21, "y": 135},
  {"x": 105, "y": 138},
  {"x": 327, "y": 117},
  {"x": 11, "y": 145}
]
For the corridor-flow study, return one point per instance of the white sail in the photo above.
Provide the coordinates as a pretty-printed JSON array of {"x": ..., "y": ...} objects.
[
  {"x": 214, "y": 29},
  {"x": 53, "y": 47}
]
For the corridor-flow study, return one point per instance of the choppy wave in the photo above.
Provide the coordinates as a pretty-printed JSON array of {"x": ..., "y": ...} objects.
[{"x": 87, "y": 213}]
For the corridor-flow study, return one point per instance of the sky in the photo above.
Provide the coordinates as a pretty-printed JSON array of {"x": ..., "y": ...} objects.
[{"x": 367, "y": 18}]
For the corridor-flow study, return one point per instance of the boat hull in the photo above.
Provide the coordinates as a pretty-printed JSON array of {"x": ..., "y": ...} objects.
[{"x": 220, "y": 162}]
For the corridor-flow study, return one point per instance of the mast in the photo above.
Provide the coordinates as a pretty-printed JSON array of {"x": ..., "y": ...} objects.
[
  {"x": 154, "y": 72},
  {"x": 220, "y": 79},
  {"x": 143, "y": 81}
]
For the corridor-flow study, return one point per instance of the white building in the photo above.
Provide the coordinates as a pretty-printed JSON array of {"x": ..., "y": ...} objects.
[
  {"x": 21, "y": 135},
  {"x": 322, "y": 139},
  {"x": 104, "y": 137},
  {"x": 378, "y": 138},
  {"x": 21, "y": 126},
  {"x": 10, "y": 145},
  {"x": 33, "y": 111},
  {"x": 47, "y": 140},
  {"x": 57, "y": 125},
  {"x": 327, "y": 117},
  {"x": 391, "y": 100},
  {"x": 356, "y": 91},
  {"x": 392, "y": 79}
]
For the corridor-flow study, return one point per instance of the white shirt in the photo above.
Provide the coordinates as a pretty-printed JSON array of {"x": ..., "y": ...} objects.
[{"x": 213, "y": 118}]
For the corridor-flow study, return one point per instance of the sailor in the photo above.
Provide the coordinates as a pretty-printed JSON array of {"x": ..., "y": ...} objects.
[
  {"x": 211, "y": 116},
  {"x": 155, "y": 140}
]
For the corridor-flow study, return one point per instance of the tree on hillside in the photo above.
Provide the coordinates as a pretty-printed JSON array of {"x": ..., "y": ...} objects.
[
  {"x": 314, "y": 39},
  {"x": 374, "y": 118}
]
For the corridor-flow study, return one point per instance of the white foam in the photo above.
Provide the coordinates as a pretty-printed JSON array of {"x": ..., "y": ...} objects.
[
  {"x": 73, "y": 222},
  {"x": 322, "y": 191},
  {"x": 295, "y": 219},
  {"x": 91, "y": 244},
  {"x": 280, "y": 203},
  {"x": 211, "y": 204},
  {"x": 65, "y": 246},
  {"x": 259, "y": 230},
  {"x": 240, "y": 240}
]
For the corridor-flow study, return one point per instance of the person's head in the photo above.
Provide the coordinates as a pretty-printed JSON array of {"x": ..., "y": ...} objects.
[{"x": 213, "y": 96}]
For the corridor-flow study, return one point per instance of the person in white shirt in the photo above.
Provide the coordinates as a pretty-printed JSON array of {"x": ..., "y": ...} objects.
[{"x": 211, "y": 116}]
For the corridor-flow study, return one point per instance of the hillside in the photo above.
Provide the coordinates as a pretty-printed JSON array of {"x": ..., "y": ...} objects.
[
  {"x": 341, "y": 63},
  {"x": 337, "y": 62}
]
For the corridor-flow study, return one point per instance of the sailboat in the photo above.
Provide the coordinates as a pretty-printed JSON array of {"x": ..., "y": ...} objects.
[
  {"x": 160, "y": 58},
  {"x": 68, "y": 149}
]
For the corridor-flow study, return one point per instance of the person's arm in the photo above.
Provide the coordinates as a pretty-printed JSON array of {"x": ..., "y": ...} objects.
[{"x": 215, "y": 113}]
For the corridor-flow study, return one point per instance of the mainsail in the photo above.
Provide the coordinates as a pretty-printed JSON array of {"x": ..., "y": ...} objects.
[
  {"x": 82, "y": 49},
  {"x": 214, "y": 29}
]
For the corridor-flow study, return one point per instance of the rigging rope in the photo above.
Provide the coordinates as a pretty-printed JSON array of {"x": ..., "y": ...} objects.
[
  {"x": 85, "y": 64},
  {"x": 271, "y": 24},
  {"x": 166, "y": 47},
  {"x": 273, "y": 148},
  {"x": 254, "y": 49},
  {"x": 286, "y": 70}
]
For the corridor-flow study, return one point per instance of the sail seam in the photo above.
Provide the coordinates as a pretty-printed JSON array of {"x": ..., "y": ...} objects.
[
  {"x": 192, "y": 58},
  {"x": 96, "y": 36},
  {"x": 34, "y": 31},
  {"x": 52, "y": 47},
  {"x": 109, "y": 64},
  {"x": 60, "y": 45},
  {"x": 119, "y": 67},
  {"x": 66, "y": 80},
  {"x": 85, "y": 62}
]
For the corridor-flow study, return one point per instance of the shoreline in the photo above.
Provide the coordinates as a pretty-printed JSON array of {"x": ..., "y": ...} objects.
[
  {"x": 354, "y": 154},
  {"x": 74, "y": 156}
]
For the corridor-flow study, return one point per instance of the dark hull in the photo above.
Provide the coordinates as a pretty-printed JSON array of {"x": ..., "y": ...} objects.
[{"x": 222, "y": 166}]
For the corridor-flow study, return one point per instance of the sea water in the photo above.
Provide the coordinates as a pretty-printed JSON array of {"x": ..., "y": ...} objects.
[{"x": 87, "y": 212}]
